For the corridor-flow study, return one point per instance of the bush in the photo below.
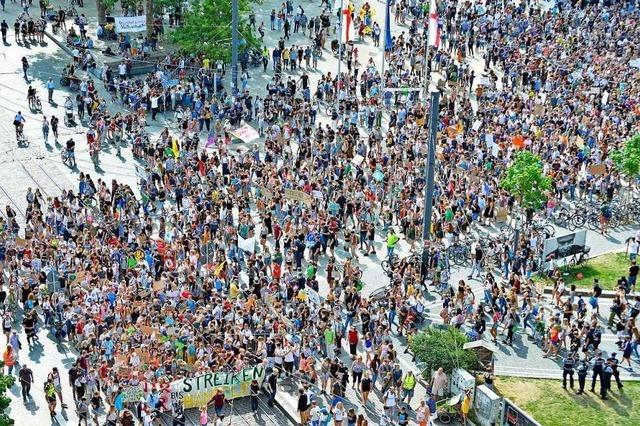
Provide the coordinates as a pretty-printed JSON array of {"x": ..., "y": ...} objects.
[
  {"x": 6, "y": 381},
  {"x": 442, "y": 347}
]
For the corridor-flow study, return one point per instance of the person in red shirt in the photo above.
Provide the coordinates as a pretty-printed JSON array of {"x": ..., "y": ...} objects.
[
  {"x": 218, "y": 402},
  {"x": 353, "y": 338}
]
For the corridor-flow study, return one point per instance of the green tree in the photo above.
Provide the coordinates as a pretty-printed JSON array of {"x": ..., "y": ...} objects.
[
  {"x": 443, "y": 347},
  {"x": 5, "y": 383},
  {"x": 627, "y": 159},
  {"x": 207, "y": 28},
  {"x": 525, "y": 179}
]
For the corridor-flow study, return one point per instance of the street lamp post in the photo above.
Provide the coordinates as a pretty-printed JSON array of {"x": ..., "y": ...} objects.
[
  {"x": 429, "y": 178},
  {"x": 429, "y": 171},
  {"x": 234, "y": 46}
]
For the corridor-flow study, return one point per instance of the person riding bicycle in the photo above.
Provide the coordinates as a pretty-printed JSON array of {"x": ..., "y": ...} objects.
[
  {"x": 31, "y": 96},
  {"x": 71, "y": 156},
  {"x": 18, "y": 122}
]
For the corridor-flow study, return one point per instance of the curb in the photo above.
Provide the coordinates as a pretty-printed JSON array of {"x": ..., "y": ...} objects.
[
  {"x": 62, "y": 46},
  {"x": 288, "y": 415},
  {"x": 606, "y": 294}
]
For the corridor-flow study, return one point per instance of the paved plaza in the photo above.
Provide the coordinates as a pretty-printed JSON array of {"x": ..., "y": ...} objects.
[{"x": 39, "y": 166}]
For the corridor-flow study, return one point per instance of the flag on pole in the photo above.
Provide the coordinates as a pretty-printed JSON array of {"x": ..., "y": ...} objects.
[
  {"x": 388, "y": 43},
  {"x": 434, "y": 30},
  {"x": 347, "y": 27}
]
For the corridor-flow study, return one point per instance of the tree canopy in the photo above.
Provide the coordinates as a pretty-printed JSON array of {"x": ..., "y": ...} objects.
[
  {"x": 443, "y": 347},
  {"x": 525, "y": 179},
  {"x": 206, "y": 28},
  {"x": 627, "y": 159}
]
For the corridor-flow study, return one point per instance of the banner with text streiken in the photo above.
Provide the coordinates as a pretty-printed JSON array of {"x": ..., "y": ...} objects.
[{"x": 197, "y": 391}]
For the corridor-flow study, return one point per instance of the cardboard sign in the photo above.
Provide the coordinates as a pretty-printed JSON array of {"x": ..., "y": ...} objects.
[
  {"x": 299, "y": 196},
  {"x": 597, "y": 169},
  {"x": 538, "y": 110}
]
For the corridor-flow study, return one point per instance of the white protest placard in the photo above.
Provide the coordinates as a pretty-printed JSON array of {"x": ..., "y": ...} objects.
[
  {"x": 246, "y": 133},
  {"x": 357, "y": 159},
  {"x": 488, "y": 139},
  {"x": 130, "y": 24},
  {"x": 313, "y": 296},
  {"x": 248, "y": 244}
]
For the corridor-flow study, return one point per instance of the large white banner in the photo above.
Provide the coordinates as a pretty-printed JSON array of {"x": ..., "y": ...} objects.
[{"x": 130, "y": 24}]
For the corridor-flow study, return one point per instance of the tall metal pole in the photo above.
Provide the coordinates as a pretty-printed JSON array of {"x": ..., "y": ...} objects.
[
  {"x": 339, "y": 56},
  {"x": 384, "y": 49},
  {"x": 430, "y": 166},
  {"x": 234, "y": 46}
]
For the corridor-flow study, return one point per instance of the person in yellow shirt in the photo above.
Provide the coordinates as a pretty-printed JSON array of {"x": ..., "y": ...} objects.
[{"x": 233, "y": 290}]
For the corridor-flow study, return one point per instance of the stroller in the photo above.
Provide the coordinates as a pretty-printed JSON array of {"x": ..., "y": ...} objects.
[{"x": 69, "y": 119}]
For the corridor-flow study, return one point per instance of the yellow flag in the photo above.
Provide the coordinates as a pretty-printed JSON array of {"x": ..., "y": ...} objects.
[{"x": 175, "y": 148}]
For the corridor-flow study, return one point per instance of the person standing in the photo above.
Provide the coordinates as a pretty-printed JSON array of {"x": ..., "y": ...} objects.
[
  {"x": 408, "y": 386},
  {"x": 352, "y": 338},
  {"x": 567, "y": 370},
  {"x": 303, "y": 405},
  {"x": 583, "y": 370},
  {"x": 50, "y": 86},
  {"x": 4, "y": 27},
  {"x": 605, "y": 380},
  {"x": 82, "y": 409},
  {"x": 254, "y": 391},
  {"x": 272, "y": 387},
  {"x": 25, "y": 67},
  {"x": 597, "y": 363},
  {"x": 26, "y": 379}
]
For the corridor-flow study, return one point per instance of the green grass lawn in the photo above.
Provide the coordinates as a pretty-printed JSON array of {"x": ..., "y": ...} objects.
[
  {"x": 608, "y": 268},
  {"x": 550, "y": 405}
]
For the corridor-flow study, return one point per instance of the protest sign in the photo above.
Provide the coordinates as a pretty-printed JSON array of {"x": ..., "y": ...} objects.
[
  {"x": 245, "y": 133},
  {"x": 247, "y": 244},
  {"x": 132, "y": 394},
  {"x": 295, "y": 195},
  {"x": 130, "y": 24},
  {"x": 198, "y": 391}
]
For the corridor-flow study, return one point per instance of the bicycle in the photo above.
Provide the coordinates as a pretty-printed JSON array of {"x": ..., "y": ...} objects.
[
  {"x": 20, "y": 136},
  {"x": 581, "y": 258}
]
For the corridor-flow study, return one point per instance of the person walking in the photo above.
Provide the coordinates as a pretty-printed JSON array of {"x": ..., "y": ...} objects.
[
  {"x": 50, "y": 396},
  {"x": 50, "y": 86},
  {"x": 45, "y": 129},
  {"x": 613, "y": 363},
  {"x": 392, "y": 241},
  {"x": 54, "y": 376},
  {"x": 9, "y": 358},
  {"x": 26, "y": 379}
]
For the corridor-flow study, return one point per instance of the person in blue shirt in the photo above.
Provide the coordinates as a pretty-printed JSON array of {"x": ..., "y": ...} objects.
[{"x": 18, "y": 122}]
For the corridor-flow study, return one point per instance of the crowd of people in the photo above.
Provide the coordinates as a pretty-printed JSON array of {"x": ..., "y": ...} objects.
[{"x": 219, "y": 264}]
